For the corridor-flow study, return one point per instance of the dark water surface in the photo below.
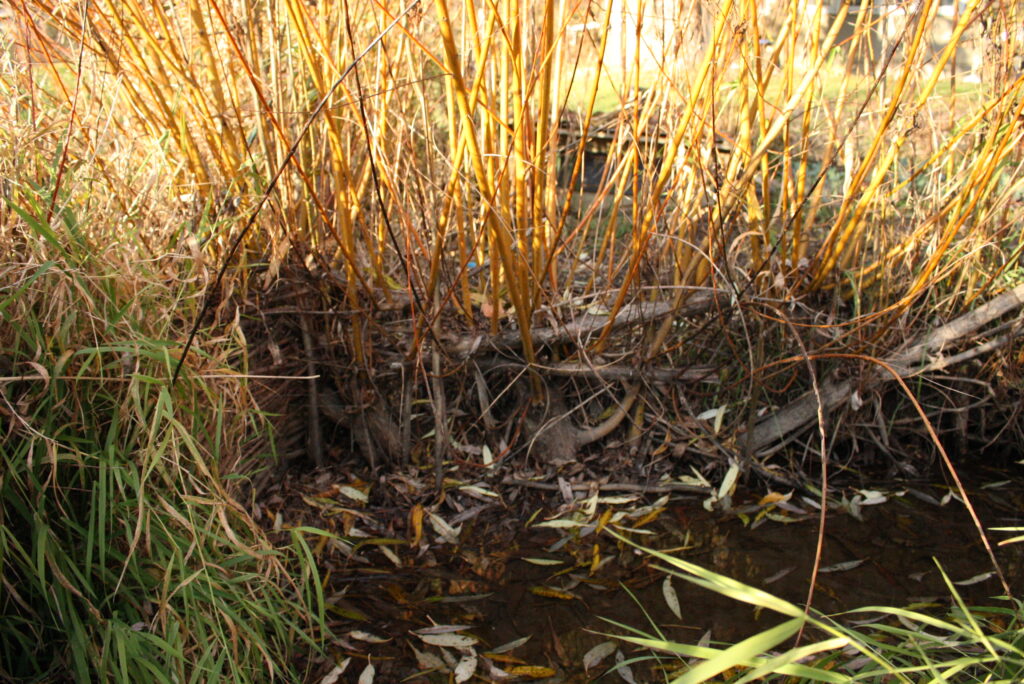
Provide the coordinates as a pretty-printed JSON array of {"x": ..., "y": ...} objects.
[{"x": 489, "y": 585}]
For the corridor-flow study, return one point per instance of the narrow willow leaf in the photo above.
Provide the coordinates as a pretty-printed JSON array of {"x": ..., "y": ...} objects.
[
  {"x": 594, "y": 656},
  {"x": 671, "y": 598}
]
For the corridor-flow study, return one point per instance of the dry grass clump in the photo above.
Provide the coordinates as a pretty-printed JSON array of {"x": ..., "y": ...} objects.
[{"x": 123, "y": 554}]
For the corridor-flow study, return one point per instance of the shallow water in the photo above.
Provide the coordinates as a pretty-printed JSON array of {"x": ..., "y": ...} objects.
[{"x": 488, "y": 585}]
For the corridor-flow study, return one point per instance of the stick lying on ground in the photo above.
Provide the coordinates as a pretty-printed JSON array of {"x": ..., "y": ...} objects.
[
  {"x": 588, "y": 324},
  {"x": 771, "y": 432}
]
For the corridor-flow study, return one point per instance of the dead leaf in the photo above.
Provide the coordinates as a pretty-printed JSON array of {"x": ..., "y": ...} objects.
[
  {"x": 531, "y": 671},
  {"x": 367, "y": 637},
  {"x": 465, "y": 669},
  {"x": 671, "y": 598},
  {"x": 338, "y": 670},
  {"x": 510, "y": 646},
  {"x": 622, "y": 669},
  {"x": 548, "y": 592},
  {"x": 842, "y": 567},
  {"x": 594, "y": 656},
  {"x": 449, "y": 640}
]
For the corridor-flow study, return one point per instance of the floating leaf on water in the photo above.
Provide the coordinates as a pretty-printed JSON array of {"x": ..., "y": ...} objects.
[
  {"x": 779, "y": 575},
  {"x": 504, "y": 658},
  {"x": 622, "y": 669},
  {"x": 594, "y": 656},
  {"x": 548, "y": 592},
  {"x": 510, "y": 646},
  {"x": 449, "y": 640},
  {"x": 543, "y": 561},
  {"x": 842, "y": 567},
  {"x": 465, "y": 669},
  {"x": 976, "y": 579},
  {"x": 531, "y": 671},
  {"x": 429, "y": 661},
  {"x": 671, "y": 598},
  {"x": 336, "y": 672}
]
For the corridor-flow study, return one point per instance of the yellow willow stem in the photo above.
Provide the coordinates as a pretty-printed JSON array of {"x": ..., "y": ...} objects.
[
  {"x": 845, "y": 230},
  {"x": 976, "y": 188},
  {"x": 540, "y": 147},
  {"x": 798, "y": 239},
  {"x": 498, "y": 232},
  {"x": 588, "y": 115},
  {"x": 668, "y": 162},
  {"x": 221, "y": 141},
  {"x": 520, "y": 133},
  {"x": 638, "y": 238},
  {"x": 457, "y": 142},
  {"x": 757, "y": 209}
]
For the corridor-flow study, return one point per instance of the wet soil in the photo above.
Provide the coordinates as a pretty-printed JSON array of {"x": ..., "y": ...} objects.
[{"x": 491, "y": 581}]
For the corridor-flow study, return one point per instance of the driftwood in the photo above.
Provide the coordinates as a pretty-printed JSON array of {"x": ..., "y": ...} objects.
[
  {"x": 587, "y": 324},
  {"x": 771, "y": 432}
]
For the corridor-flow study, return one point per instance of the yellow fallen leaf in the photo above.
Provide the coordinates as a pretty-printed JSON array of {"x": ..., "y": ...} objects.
[
  {"x": 772, "y": 497},
  {"x": 531, "y": 671},
  {"x": 504, "y": 658},
  {"x": 548, "y": 592},
  {"x": 416, "y": 524}
]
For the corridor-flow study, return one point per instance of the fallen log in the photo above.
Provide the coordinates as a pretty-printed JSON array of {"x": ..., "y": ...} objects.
[
  {"x": 588, "y": 324},
  {"x": 773, "y": 431}
]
